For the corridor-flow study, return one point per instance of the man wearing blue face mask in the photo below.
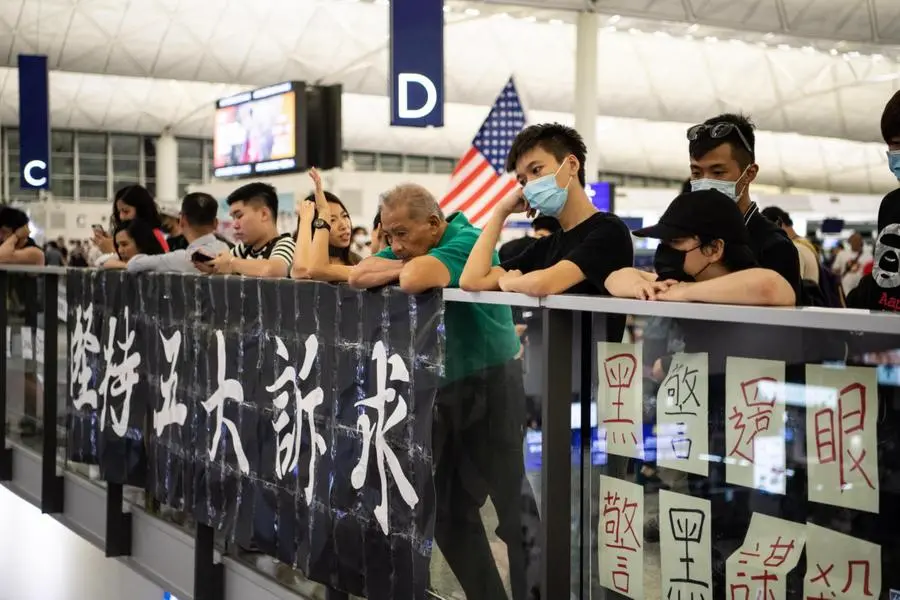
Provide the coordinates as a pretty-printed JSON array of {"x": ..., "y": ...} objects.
[
  {"x": 890, "y": 131},
  {"x": 723, "y": 158},
  {"x": 549, "y": 163}
]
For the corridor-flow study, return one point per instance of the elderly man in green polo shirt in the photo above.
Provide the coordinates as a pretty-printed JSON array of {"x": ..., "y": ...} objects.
[{"x": 480, "y": 416}]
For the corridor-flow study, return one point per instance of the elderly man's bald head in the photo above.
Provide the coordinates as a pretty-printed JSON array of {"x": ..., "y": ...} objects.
[{"x": 412, "y": 220}]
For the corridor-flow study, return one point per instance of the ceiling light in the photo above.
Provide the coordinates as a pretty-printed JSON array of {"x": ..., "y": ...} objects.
[
  {"x": 769, "y": 36},
  {"x": 853, "y": 54},
  {"x": 762, "y": 44},
  {"x": 556, "y": 22},
  {"x": 609, "y": 29},
  {"x": 614, "y": 19},
  {"x": 877, "y": 57},
  {"x": 833, "y": 52},
  {"x": 634, "y": 31},
  {"x": 784, "y": 47},
  {"x": 662, "y": 34},
  {"x": 473, "y": 12},
  {"x": 693, "y": 28},
  {"x": 737, "y": 42},
  {"x": 530, "y": 18},
  {"x": 809, "y": 49},
  {"x": 711, "y": 39}
]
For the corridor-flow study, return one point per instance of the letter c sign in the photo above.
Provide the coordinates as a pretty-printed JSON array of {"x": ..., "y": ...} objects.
[{"x": 28, "y": 173}]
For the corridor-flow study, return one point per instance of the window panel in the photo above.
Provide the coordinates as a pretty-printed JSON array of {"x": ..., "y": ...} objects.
[
  {"x": 443, "y": 165},
  {"x": 190, "y": 171},
  {"x": 126, "y": 167},
  {"x": 62, "y": 187},
  {"x": 62, "y": 164},
  {"x": 417, "y": 164},
  {"x": 92, "y": 188},
  {"x": 190, "y": 149},
  {"x": 62, "y": 142},
  {"x": 125, "y": 145},
  {"x": 92, "y": 166},
  {"x": 92, "y": 143},
  {"x": 391, "y": 163},
  {"x": 12, "y": 138},
  {"x": 365, "y": 161}
]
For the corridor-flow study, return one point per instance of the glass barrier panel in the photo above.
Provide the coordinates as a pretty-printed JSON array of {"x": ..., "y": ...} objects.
[
  {"x": 744, "y": 461},
  {"x": 487, "y": 454}
]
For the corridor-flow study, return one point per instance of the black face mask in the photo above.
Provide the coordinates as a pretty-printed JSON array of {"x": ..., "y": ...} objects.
[{"x": 669, "y": 263}]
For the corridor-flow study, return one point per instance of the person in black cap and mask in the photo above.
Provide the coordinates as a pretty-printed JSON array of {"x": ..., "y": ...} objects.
[{"x": 704, "y": 256}]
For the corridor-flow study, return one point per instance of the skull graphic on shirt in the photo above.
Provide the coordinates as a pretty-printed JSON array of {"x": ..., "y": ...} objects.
[{"x": 886, "y": 270}]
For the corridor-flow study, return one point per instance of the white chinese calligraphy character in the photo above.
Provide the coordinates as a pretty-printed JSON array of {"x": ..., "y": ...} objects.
[
  {"x": 383, "y": 396},
  {"x": 172, "y": 411},
  {"x": 119, "y": 378},
  {"x": 229, "y": 389},
  {"x": 83, "y": 342},
  {"x": 289, "y": 445}
]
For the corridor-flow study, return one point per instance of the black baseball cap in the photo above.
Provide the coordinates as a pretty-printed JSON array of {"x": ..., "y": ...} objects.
[{"x": 704, "y": 213}]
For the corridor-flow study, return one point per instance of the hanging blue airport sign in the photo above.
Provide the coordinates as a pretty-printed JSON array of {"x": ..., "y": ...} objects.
[
  {"x": 34, "y": 123},
  {"x": 417, "y": 63}
]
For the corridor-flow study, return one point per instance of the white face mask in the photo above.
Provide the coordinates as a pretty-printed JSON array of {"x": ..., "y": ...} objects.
[{"x": 729, "y": 188}]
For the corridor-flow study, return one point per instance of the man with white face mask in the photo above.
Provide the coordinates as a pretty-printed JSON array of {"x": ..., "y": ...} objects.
[{"x": 723, "y": 158}]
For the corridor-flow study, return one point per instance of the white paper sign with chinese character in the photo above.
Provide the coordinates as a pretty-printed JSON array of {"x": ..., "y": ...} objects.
[
  {"x": 620, "y": 398},
  {"x": 27, "y": 344},
  {"x": 841, "y": 437},
  {"x": 685, "y": 546},
  {"x": 771, "y": 548},
  {"x": 754, "y": 424},
  {"x": 682, "y": 415},
  {"x": 621, "y": 537},
  {"x": 840, "y": 567}
]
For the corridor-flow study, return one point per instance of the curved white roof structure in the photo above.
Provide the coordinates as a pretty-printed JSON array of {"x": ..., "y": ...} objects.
[{"x": 814, "y": 74}]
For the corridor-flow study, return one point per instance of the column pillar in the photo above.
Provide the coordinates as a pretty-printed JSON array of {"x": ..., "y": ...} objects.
[
  {"x": 166, "y": 169},
  {"x": 586, "y": 88}
]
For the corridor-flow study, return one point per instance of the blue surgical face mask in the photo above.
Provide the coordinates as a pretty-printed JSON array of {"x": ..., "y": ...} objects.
[
  {"x": 729, "y": 188},
  {"x": 894, "y": 162},
  {"x": 544, "y": 194}
]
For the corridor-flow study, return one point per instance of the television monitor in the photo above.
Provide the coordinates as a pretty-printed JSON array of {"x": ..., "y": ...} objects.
[
  {"x": 633, "y": 223},
  {"x": 261, "y": 132},
  {"x": 602, "y": 195},
  {"x": 832, "y": 225}
]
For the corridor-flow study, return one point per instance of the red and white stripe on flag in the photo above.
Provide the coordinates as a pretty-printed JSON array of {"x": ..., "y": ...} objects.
[{"x": 480, "y": 179}]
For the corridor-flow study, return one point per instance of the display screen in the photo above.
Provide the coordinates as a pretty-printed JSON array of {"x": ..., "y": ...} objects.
[
  {"x": 602, "y": 195},
  {"x": 257, "y": 132}
]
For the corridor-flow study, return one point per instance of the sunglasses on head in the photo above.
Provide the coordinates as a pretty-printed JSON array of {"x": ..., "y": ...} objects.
[{"x": 718, "y": 131}]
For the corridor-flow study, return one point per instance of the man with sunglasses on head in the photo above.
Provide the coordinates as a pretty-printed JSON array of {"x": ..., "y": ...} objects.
[{"x": 723, "y": 158}]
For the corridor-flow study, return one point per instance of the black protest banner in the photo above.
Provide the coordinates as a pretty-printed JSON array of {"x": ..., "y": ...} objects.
[{"x": 295, "y": 416}]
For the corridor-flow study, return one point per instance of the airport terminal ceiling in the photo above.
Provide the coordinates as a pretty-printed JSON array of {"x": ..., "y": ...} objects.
[{"x": 801, "y": 68}]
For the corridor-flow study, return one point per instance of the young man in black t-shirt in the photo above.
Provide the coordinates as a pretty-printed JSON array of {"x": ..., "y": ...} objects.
[
  {"x": 723, "y": 158},
  {"x": 549, "y": 163}
]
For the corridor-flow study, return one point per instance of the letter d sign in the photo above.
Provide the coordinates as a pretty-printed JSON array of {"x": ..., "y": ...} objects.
[{"x": 417, "y": 63}]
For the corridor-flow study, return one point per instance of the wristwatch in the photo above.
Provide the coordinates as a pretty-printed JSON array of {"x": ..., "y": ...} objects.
[{"x": 321, "y": 224}]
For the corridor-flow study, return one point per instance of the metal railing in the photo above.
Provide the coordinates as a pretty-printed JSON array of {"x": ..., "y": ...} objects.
[{"x": 571, "y": 327}]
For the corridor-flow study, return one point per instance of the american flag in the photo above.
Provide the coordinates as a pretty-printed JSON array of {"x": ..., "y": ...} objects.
[{"x": 480, "y": 179}]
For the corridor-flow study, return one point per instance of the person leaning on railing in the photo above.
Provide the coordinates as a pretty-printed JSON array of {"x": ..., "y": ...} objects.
[
  {"x": 132, "y": 238},
  {"x": 705, "y": 251},
  {"x": 261, "y": 251},
  {"x": 480, "y": 409},
  {"x": 322, "y": 251},
  {"x": 16, "y": 245}
]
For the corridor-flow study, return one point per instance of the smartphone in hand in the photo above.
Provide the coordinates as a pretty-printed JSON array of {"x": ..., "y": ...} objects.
[{"x": 201, "y": 257}]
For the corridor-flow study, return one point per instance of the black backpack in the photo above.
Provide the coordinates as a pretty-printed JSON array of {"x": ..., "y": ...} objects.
[{"x": 828, "y": 293}]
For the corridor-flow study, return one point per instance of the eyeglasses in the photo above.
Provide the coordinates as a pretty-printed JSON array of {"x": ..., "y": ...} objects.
[{"x": 717, "y": 131}]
